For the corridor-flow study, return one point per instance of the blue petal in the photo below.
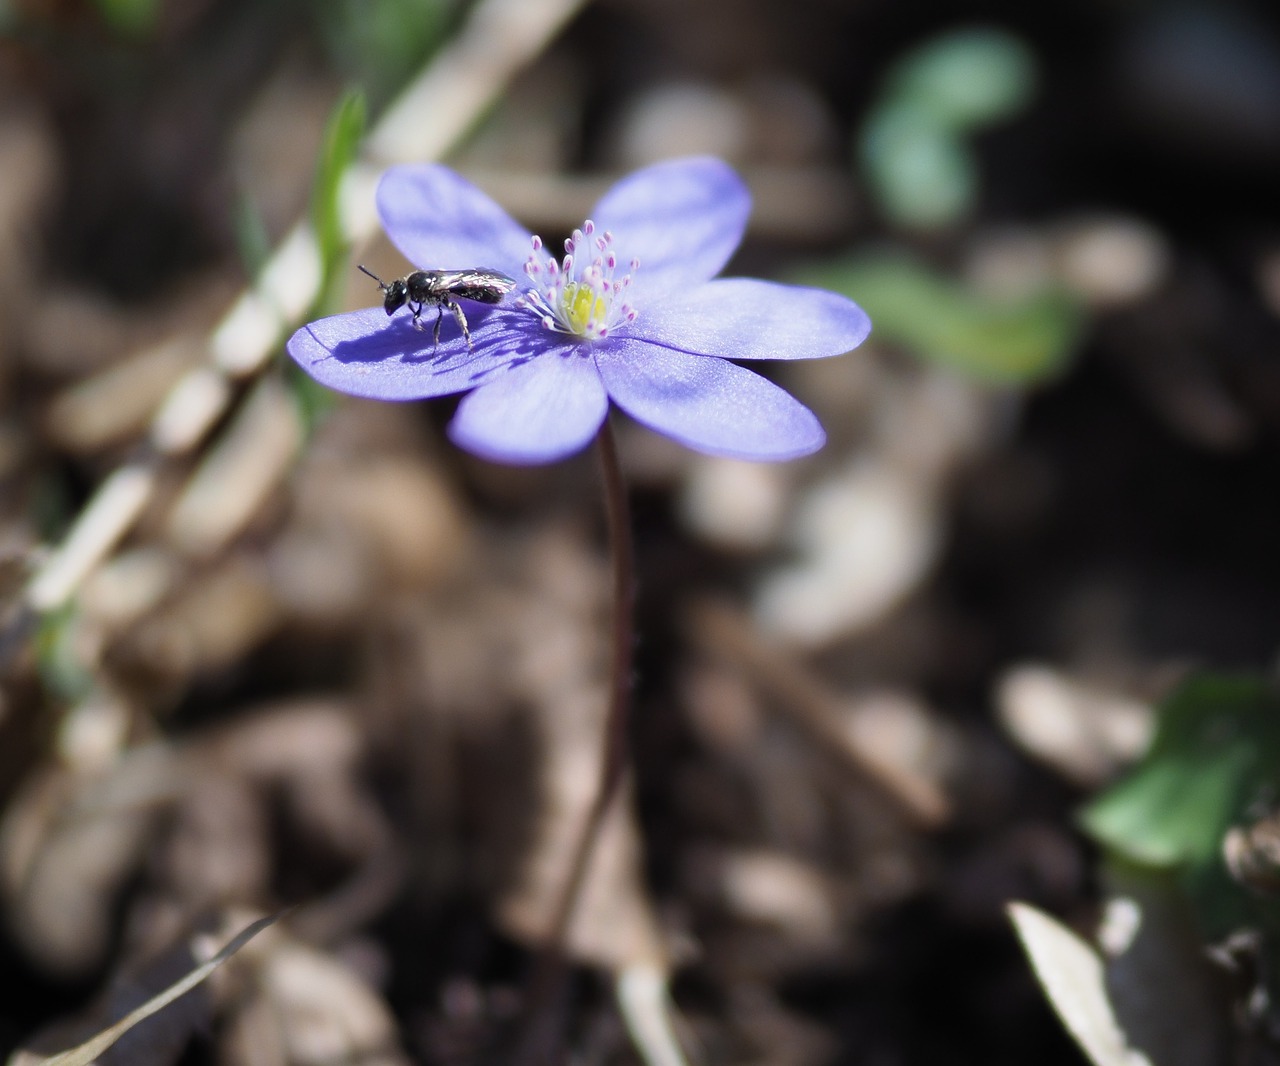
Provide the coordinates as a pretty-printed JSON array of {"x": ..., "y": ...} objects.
[
  {"x": 744, "y": 318},
  {"x": 363, "y": 353},
  {"x": 682, "y": 219},
  {"x": 440, "y": 221},
  {"x": 707, "y": 404},
  {"x": 536, "y": 412}
]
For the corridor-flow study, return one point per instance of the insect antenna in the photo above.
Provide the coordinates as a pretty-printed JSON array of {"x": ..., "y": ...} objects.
[{"x": 381, "y": 284}]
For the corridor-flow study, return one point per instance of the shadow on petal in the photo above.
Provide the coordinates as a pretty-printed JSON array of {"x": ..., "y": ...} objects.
[
  {"x": 362, "y": 353},
  {"x": 398, "y": 339}
]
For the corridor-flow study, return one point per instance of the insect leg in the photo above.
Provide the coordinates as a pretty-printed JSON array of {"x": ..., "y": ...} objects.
[
  {"x": 417, "y": 315},
  {"x": 435, "y": 333},
  {"x": 453, "y": 306}
]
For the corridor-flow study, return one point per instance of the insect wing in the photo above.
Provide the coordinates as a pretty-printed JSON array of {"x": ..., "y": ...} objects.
[{"x": 483, "y": 286}]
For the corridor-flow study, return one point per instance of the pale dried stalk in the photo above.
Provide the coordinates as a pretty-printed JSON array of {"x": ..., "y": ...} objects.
[
  {"x": 499, "y": 38},
  {"x": 87, "y": 1053},
  {"x": 239, "y": 473}
]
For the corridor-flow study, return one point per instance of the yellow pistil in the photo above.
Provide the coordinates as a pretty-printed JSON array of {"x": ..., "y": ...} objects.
[
  {"x": 579, "y": 295},
  {"x": 582, "y": 305}
]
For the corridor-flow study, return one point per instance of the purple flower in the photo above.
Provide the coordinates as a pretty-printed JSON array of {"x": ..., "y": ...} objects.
[{"x": 630, "y": 314}]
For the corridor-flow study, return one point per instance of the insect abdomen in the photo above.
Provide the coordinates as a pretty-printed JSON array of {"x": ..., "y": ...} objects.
[{"x": 485, "y": 294}]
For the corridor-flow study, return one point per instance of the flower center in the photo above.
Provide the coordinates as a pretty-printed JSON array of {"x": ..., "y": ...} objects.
[{"x": 580, "y": 294}]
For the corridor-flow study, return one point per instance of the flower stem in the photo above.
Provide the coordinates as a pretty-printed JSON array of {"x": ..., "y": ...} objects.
[
  {"x": 542, "y": 1032},
  {"x": 613, "y": 761},
  {"x": 613, "y": 754}
]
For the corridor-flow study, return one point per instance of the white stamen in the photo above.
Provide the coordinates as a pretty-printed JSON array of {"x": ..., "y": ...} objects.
[{"x": 577, "y": 296}]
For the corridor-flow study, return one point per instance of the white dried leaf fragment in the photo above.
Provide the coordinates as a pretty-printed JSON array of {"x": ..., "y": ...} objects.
[{"x": 1072, "y": 976}]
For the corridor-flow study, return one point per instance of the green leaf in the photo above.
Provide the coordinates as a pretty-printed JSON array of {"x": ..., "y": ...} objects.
[
  {"x": 130, "y": 18},
  {"x": 1214, "y": 763},
  {"x": 912, "y": 147},
  {"x": 253, "y": 242},
  {"x": 313, "y": 400},
  {"x": 341, "y": 146},
  {"x": 343, "y": 135},
  {"x": 968, "y": 78},
  {"x": 941, "y": 321},
  {"x": 60, "y": 662},
  {"x": 1215, "y": 752},
  {"x": 921, "y": 174}
]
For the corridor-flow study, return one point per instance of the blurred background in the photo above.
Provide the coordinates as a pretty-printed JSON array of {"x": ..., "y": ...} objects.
[{"x": 328, "y": 661}]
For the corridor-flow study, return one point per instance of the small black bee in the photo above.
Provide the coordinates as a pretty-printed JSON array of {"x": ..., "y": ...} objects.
[{"x": 442, "y": 289}]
